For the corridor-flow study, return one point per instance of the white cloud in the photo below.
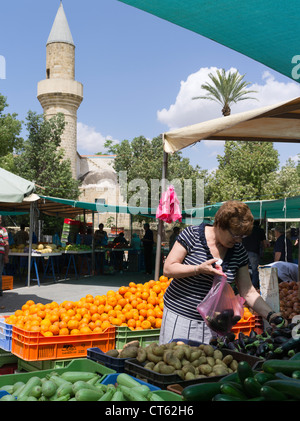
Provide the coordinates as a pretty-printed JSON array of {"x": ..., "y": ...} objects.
[{"x": 89, "y": 141}]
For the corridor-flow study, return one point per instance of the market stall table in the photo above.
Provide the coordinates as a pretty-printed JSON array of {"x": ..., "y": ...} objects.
[
  {"x": 72, "y": 261},
  {"x": 35, "y": 260}
]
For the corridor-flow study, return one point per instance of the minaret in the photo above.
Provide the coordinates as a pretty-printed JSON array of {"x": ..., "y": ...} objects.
[{"x": 60, "y": 92}]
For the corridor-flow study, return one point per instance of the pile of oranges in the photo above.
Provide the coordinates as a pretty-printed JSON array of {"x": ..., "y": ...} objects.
[{"x": 137, "y": 306}]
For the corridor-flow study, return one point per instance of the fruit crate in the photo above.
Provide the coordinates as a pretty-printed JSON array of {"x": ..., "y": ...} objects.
[
  {"x": 80, "y": 364},
  {"x": 33, "y": 346},
  {"x": 27, "y": 366},
  {"x": 135, "y": 368},
  {"x": 5, "y": 334},
  {"x": 7, "y": 282},
  {"x": 117, "y": 364},
  {"x": 245, "y": 326},
  {"x": 145, "y": 337}
]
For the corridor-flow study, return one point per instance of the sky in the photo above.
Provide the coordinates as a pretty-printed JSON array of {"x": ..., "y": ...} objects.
[{"x": 139, "y": 73}]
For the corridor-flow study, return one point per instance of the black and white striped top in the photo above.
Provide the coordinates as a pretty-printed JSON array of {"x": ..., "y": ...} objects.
[{"x": 183, "y": 295}]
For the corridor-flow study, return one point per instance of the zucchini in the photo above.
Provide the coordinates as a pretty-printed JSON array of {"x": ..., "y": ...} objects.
[
  {"x": 9, "y": 388},
  {"x": 75, "y": 376},
  {"x": 65, "y": 389},
  {"x": 271, "y": 394},
  {"x": 290, "y": 388},
  {"x": 296, "y": 374},
  {"x": 252, "y": 387},
  {"x": 118, "y": 396},
  {"x": 107, "y": 396},
  {"x": 244, "y": 371},
  {"x": 220, "y": 397},
  {"x": 31, "y": 383},
  {"x": 127, "y": 380},
  {"x": 232, "y": 389},
  {"x": 295, "y": 357},
  {"x": 62, "y": 398},
  {"x": 262, "y": 377},
  {"x": 80, "y": 384},
  {"x": 7, "y": 397},
  {"x": 17, "y": 386},
  {"x": 283, "y": 366},
  {"x": 131, "y": 395},
  {"x": 154, "y": 397},
  {"x": 88, "y": 395},
  {"x": 36, "y": 392},
  {"x": 58, "y": 380},
  {"x": 141, "y": 389},
  {"x": 48, "y": 388},
  {"x": 232, "y": 377},
  {"x": 201, "y": 391}
]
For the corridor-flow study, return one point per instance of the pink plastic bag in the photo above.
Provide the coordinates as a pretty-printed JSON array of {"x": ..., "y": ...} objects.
[
  {"x": 221, "y": 308},
  {"x": 168, "y": 209}
]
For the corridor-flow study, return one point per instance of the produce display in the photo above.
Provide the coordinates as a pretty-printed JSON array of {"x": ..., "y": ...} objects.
[
  {"x": 273, "y": 343},
  {"x": 77, "y": 247},
  {"x": 188, "y": 362},
  {"x": 289, "y": 301},
  {"x": 137, "y": 306},
  {"x": 78, "y": 386},
  {"x": 279, "y": 380},
  {"x": 42, "y": 248}
]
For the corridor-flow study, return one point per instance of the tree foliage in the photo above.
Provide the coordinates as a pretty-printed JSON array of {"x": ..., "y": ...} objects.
[{"x": 10, "y": 129}]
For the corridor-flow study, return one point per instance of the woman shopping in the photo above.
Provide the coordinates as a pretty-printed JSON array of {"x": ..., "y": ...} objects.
[{"x": 199, "y": 254}]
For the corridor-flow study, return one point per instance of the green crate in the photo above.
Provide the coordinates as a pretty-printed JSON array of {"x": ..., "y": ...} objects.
[
  {"x": 79, "y": 364},
  {"x": 41, "y": 365},
  {"x": 145, "y": 337},
  {"x": 7, "y": 357}
]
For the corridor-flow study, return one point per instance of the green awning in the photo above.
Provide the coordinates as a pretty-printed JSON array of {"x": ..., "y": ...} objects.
[
  {"x": 14, "y": 189},
  {"x": 267, "y": 31}
]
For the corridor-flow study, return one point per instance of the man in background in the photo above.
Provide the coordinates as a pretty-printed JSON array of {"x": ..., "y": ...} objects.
[{"x": 4, "y": 248}]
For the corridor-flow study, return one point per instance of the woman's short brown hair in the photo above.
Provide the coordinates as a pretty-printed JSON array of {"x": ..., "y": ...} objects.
[{"x": 236, "y": 216}]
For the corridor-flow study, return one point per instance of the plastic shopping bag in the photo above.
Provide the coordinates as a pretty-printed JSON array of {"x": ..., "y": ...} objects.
[{"x": 221, "y": 308}]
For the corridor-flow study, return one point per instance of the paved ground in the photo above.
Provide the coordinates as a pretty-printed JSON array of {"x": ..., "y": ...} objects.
[{"x": 72, "y": 289}]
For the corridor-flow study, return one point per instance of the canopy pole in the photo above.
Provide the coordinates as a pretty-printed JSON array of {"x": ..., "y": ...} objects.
[
  {"x": 298, "y": 267},
  {"x": 160, "y": 222},
  {"x": 93, "y": 244},
  {"x": 30, "y": 242}
]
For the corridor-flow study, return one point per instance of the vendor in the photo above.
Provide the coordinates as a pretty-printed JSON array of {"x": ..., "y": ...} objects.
[
  {"x": 283, "y": 249},
  {"x": 192, "y": 263},
  {"x": 21, "y": 236},
  {"x": 100, "y": 236}
]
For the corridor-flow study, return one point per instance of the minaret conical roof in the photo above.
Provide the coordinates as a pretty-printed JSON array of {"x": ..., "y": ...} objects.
[{"x": 60, "y": 31}]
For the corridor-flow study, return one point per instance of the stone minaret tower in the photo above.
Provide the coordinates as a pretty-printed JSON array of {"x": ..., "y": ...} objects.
[{"x": 60, "y": 92}]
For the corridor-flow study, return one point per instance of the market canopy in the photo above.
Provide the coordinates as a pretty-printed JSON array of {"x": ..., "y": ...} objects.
[
  {"x": 14, "y": 188},
  {"x": 274, "y": 123},
  {"x": 265, "y": 31},
  {"x": 279, "y": 209}
]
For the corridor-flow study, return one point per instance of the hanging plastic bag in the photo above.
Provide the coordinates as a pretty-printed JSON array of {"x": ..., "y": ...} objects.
[
  {"x": 221, "y": 308},
  {"x": 168, "y": 209}
]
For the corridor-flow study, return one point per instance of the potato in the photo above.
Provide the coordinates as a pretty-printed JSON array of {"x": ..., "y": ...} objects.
[
  {"x": 166, "y": 369},
  {"x": 218, "y": 354},
  {"x": 179, "y": 352},
  {"x": 112, "y": 353},
  {"x": 189, "y": 368},
  {"x": 228, "y": 359},
  {"x": 195, "y": 355},
  {"x": 150, "y": 365},
  {"x": 129, "y": 352},
  {"x": 202, "y": 360},
  {"x": 158, "y": 350},
  {"x": 158, "y": 366},
  {"x": 189, "y": 376},
  {"x": 209, "y": 351},
  {"x": 187, "y": 352},
  {"x": 220, "y": 370},
  {"x": 132, "y": 343},
  {"x": 210, "y": 361},
  {"x": 171, "y": 359},
  {"x": 234, "y": 365},
  {"x": 196, "y": 363},
  {"x": 154, "y": 358},
  {"x": 141, "y": 355},
  {"x": 205, "y": 369},
  {"x": 180, "y": 373}
]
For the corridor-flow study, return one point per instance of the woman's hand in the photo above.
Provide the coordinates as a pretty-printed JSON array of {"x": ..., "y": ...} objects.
[{"x": 207, "y": 268}]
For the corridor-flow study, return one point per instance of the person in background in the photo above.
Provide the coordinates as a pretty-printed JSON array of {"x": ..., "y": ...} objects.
[
  {"x": 199, "y": 254},
  {"x": 87, "y": 239},
  {"x": 135, "y": 242},
  {"x": 148, "y": 248},
  {"x": 4, "y": 249},
  {"x": 282, "y": 247},
  {"x": 173, "y": 237},
  {"x": 21, "y": 236},
  {"x": 100, "y": 236},
  {"x": 119, "y": 241},
  {"x": 254, "y": 243}
]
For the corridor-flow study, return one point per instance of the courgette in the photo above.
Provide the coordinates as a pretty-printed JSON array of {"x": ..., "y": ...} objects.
[
  {"x": 118, "y": 396},
  {"x": 75, "y": 376},
  {"x": 262, "y": 377},
  {"x": 296, "y": 374},
  {"x": 244, "y": 371},
  {"x": 88, "y": 395},
  {"x": 201, "y": 392},
  {"x": 154, "y": 397},
  {"x": 131, "y": 395},
  {"x": 271, "y": 394},
  {"x": 107, "y": 396},
  {"x": 252, "y": 387},
  {"x": 48, "y": 388},
  {"x": 220, "y": 397},
  {"x": 290, "y": 388},
  {"x": 232, "y": 377},
  {"x": 31, "y": 383},
  {"x": 58, "y": 380},
  {"x": 7, "y": 397},
  {"x": 295, "y": 357},
  {"x": 283, "y": 366},
  {"x": 127, "y": 380},
  {"x": 65, "y": 389},
  {"x": 80, "y": 384},
  {"x": 233, "y": 389},
  {"x": 8, "y": 388},
  {"x": 36, "y": 392}
]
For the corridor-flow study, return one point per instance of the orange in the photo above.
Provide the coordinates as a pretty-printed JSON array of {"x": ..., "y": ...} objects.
[
  {"x": 30, "y": 302},
  {"x": 132, "y": 284},
  {"x": 85, "y": 330},
  {"x": 112, "y": 301},
  {"x": 75, "y": 332},
  {"x": 152, "y": 320},
  {"x": 101, "y": 309},
  {"x": 68, "y": 305},
  {"x": 108, "y": 307},
  {"x": 146, "y": 324},
  {"x": 73, "y": 324},
  {"x": 92, "y": 325},
  {"x": 158, "y": 323},
  {"x": 64, "y": 331},
  {"x": 128, "y": 315},
  {"x": 48, "y": 333},
  {"x": 156, "y": 288},
  {"x": 89, "y": 299},
  {"x": 62, "y": 324},
  {"x": 18, "y": 313},
  {"x": 150, "y": 312},
  {"x": 116, "y": 321},
  {"x": 104, "y": 317},
  {"x": 106, "y": 324},
  {"x": 35, "y": 328},
  {"x": 93, "y": 309},
  {"x": 131, "y": 323},
  {"x": 54, "y": 329},
  {"x": 95, "y": 316},
  {"x": 110, "y": 292},
  {"x": 97, "y": 330},
  {"x": 123, "y": 290},
  {"x": 122, "y": 302}
]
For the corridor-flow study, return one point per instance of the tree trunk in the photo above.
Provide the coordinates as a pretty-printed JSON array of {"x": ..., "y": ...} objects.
[{"x": 226, "y": 110}]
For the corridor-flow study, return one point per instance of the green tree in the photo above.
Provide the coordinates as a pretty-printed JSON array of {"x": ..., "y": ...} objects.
[
  {"x": 142, "y": 159},
  {"x": 284, "y": 183},
  {"x": 226, "y": 88},
  {"x": 10, "y": 129},
  {"x": 243, "y": 172}
]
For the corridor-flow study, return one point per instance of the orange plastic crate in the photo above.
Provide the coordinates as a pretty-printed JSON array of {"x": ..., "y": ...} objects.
[
  {"x": 7, "y": 282},
  {"x": 245, "y": 326},
  {"x": 33, "y": 346}
]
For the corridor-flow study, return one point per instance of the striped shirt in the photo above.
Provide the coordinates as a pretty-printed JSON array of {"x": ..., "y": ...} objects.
[
  {"x": 3, "y": 239},
  {"x": 184, "y": 294}
]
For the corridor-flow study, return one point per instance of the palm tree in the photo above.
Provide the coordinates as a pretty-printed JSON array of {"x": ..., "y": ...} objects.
[{"x": 226, "y": 89}]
